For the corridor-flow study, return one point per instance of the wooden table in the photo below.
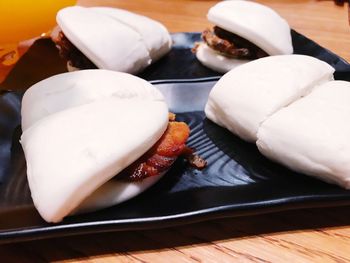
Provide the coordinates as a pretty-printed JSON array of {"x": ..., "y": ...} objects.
[{"x": 313, "y": 235}]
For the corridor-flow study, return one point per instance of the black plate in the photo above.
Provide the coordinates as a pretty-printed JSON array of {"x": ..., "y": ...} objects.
[{"x": 237, "y": 181}]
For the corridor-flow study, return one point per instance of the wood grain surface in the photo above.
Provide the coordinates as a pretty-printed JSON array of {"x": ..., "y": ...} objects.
[{"x": 313, "y": 235}]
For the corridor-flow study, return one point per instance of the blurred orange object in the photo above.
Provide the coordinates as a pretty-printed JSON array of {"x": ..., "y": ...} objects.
[{"x": 24, "y": 19}]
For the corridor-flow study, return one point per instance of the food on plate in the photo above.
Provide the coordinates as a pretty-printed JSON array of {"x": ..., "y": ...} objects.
[
  {"x": 95, "y": 138},
  {"x": 247, "y": 95},
  {"x": 311, "y": 135},
  {"x": 109, "y": 38},
  {"x": 293, "y": 110},
  {"x": 243, "y": 31}
]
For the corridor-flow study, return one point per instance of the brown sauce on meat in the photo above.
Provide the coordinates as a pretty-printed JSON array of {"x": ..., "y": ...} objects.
[{"x": 231, "y": 45}]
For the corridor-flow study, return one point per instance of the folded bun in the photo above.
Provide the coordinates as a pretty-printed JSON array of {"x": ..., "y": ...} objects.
[
  {"x": 311, "y": 135},
  {"x": 294, "y": 111},
  {"x": 254, "y": 22},
  {"x": 155, "y": 36},
  {"x": 76, "y": 140},
  {"x": 247, "y": 95},
  {"x": 243, "y": 31},
  {"x": 114, "y": 39}
]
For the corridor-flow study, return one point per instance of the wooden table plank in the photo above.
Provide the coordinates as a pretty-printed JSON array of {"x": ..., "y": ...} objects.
[
  {"x": 313, "y": 235},
  {"x": 291, "y": 236}
]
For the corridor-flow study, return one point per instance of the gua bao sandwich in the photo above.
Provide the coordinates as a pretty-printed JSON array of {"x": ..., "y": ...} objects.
[
  {"x": 95, "y": 138},
  {"x": 247, "y": 95},
  {"x": 293, "y": 110},
  {"x": 243, "y": 31},
  {"x": 109, "y": 38}
]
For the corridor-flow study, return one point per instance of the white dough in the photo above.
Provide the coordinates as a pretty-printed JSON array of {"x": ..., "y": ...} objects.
[
  {"x": 244, "y": 97},
  {"x": 105, "y": 36},
  {"x": 155, "y": 36},
  {"x": 114, "y": 192},
  {"x": 311, "y": 135},
  {"x": 74, "y": 145},
  {"x": 72, "y": 89},
  {"x": 255, "y": 22},
  {"x": 213, "y": 60}
]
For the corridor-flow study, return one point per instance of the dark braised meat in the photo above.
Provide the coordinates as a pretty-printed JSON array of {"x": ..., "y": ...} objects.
[
  {"x": 231, "y": 45},
  {"x": 223, "y": 46},
  {"x": 73, "y": 55}
]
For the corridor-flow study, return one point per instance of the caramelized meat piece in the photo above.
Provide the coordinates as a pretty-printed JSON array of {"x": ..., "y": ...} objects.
[
  {"x": 195, "y": 47},
  {"x": 197, "y": 161},
  {"x": 171, "y": 116},
  {"x": 193, "y": 159},
  {"x": 73, "y": 55},
  {"x": 161, "y": 156},
  {"x": 231, "y": 45}
]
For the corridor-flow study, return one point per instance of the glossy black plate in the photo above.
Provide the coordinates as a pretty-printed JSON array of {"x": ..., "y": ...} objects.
[
  {"x": 238, "y": 180},
  {"x": 42, "y": 61}
]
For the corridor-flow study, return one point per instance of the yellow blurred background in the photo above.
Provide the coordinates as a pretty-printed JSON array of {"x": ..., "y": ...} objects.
[{"x": 22, "y": 20}]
